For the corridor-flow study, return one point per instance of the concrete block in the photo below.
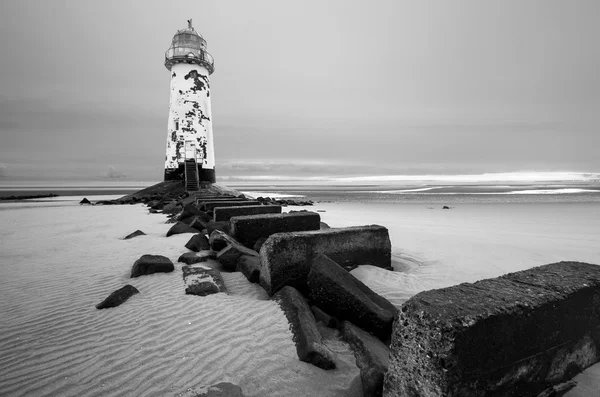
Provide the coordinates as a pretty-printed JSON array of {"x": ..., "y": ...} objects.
[
  {"x": 248, "y": 229},
  {"x": 286, "y": 257},
  {"x": 514, "y": 335},
  {"x": 210, "y": 205},
  {"x": 226, "y": 213}
]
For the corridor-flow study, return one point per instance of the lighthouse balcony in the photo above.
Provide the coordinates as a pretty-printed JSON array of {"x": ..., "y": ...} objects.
[{"x": 189, "y": 55}]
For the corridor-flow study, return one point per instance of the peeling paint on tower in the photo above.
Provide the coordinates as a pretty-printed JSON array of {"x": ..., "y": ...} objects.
[{"x": 190, "y": 134}]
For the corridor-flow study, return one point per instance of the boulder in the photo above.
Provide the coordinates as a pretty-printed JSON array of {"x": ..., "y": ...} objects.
[
  {"x": 228, "y": 256},
  {"x": 202, "y": 280},
  {"x": 171, "y": 208},
  {"x": 118, "y": 297},
  {"x": 286, "y": 257},
  {"x": 372, "y": 357},
  {"x": 223, "y": 389},
  {"x": 85, "y": 201},
  {"x": 445, "y": 207},
  {"x": 515, "y": 335},
  {"x": 226, "y": 213},
  {"x": 150, "y": 264},
  {"x": 323, "y": 226},
  {"x": 190, "y": 258},
  {"x": 134, "y": 234},
  {"x": 198, "y": 242},
  {"x": 249, "y": 265},
  {"x": 342, "y": 295},
  {"x": 249, "y": 228},
  {"x": 309, "y": 342},
  {"x": 219, "y": 240},
  {"x": 180, "y": 228}
]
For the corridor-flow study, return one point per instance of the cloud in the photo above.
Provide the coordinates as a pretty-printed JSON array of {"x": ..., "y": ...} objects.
[{"x": 114, "y": 174}]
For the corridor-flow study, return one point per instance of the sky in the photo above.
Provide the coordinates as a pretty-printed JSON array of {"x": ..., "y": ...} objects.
[{"x": 304, "y": 88}]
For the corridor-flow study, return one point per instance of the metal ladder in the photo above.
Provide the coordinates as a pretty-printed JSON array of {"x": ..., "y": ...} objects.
[{"x": 192, "y": 183}]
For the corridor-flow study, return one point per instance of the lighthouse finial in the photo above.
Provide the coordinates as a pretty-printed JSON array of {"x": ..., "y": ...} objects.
[{"x": 190, "y": 24}]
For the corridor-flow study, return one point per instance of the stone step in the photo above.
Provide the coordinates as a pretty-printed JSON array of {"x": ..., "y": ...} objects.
[
  {"x": 226, "y": 213},
  {"x": 249, "y": 228}
]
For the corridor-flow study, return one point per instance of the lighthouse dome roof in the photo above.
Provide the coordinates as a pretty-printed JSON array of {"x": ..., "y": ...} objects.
[{"x": 190, "y": 47}]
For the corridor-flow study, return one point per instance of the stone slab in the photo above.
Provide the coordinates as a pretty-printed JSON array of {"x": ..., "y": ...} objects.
[
  {"x": 226, "y": 213},
  {"x": 250, "y": 228},
  {"x": 514, "y": 335},
  {"x": 286, "y": 257}
]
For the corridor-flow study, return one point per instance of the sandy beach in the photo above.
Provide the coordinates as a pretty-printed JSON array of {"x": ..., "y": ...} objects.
[{"x": 59, "y": 259}]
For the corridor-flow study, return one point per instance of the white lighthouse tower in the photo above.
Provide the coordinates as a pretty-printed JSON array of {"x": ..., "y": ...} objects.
[{"x": 190, "y": 148}]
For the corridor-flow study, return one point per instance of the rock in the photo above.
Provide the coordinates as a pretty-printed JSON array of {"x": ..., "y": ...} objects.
[
  {"x": 342, "y": 295},
  {"x": 309, "y": 342},
  {"x": 134, "y": 234},
  {"x": 259, "y": 243},
  {"x": 190, "y": 258},
  {"x": 372, "y": 357},
  {"x": 202, "y": 280},
  {"x": 226, "y": 213},
  {"x": 228, "y": 256},
  {"x": 85, "y": 201},
  {"x": 118, "y": 297},
  {"x": 171, "y": 208},
  {"x": 248, "y": 229},
  {"x": 249, "y": 265},
  {"x": 514, "y": 335},
  {"x": 325, "y": 318},
  {"x": 223, "y": 389},
  {"x": 180, "y": 228},
  {"x": 286, "y": 257},
  {"x": 198, "y": 242},
  {"x": 198, "y": 224},
  {"x": 150, "y": 264},
  {"x": 219, "y": 240},
  {"x": 445, "y": 207},
  {"x": 323, "y": 226}
]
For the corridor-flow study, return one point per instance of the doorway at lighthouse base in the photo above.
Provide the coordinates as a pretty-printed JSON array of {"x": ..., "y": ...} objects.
[{"x": 178, "y": 174}]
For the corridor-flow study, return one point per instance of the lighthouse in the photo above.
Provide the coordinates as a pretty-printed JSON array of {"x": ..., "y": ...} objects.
[{"x": 190, "y": 148}]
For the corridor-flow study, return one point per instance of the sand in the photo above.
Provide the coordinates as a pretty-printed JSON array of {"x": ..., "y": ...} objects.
[{"x": 59, "y": 259}]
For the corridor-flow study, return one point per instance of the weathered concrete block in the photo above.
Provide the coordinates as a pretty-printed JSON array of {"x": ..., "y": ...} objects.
[
  {"x": 248, "y": 229},
  {"x": 180, "y": 228},
  {"x": 202, "y": 280},
  {"x": 228, "y": 256},
  {"x": 308, "y": 339},
  {"x": 372, "y": 357},
  {"x": 219, "y": 240},
  {"x": 210, "y": 205},
  {"x": 249, "y": 265},
  {"x": 515, "y": 335},
  {"x": 342, "y": 295},
  {"x": 226, "y": 213},
  {"x": 286, "y": 257}
]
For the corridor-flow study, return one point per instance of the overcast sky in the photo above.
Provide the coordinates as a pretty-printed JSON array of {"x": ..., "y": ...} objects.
[{"x": 307, "y": 87}]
